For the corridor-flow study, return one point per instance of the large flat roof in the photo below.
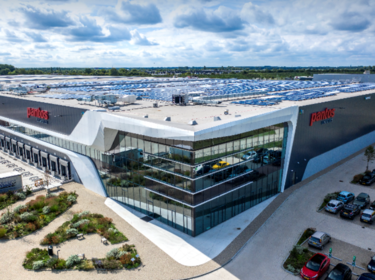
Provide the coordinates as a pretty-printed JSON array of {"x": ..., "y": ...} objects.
[{"x": 202, "y": 114}]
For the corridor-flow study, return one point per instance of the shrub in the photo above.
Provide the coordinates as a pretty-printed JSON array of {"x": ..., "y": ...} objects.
[
  {"x": 30, "y": 227},
  {"x": 81, "y": 222},
  {"x": 72, "y": 198},
  {"x": 6, "y": 217},
  {"x": 72, "y": 231},
  {"x": 46, "y": 209},
  {"x": 49, "y": 195},
  {"x": 19, "y": 208},
  {"x": 111, "y": 264},
  {"x": 61, "y": 264},
  {"x": 114, "y": 253},
  {"x": 37, "y": 203},
  {"x": 55, "y": 239},
  {"x": 86, "y": 265},
  {"x": 21, "y": 195},
  {"x": 84, "y": 213},
  {"x": 357, "y": 178},
  {"x": 38, "y": 265},
  {"x": 72, "y": 260},
  {"x": 3, "y": 231},
  {"x": 126, "y": 259},
  {"x": 128, "y": 248},
  {"x": 52, "y": 262},
  {"x": 28, "y": 217},
  {"x": 291, "y": 268},
  {"x": 54, "y": 208}
]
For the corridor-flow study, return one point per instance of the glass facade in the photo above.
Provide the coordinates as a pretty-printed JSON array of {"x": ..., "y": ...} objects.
[{"x": 191, "y": 186}]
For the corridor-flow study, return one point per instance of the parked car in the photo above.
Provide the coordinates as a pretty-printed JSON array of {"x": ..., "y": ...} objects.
[
  {"x": 340, "y": 272},
  {"x": 220, "y": 176},
  {"x": 252, "y": 176},
  {"x": 249, "y": 155},
  {"x": 368, "y": 216},
  {"x": 334, "y": 206},
  {"x": 220, "y": 164},
  {"x": 372, "y": 205},
  {"x": 366, "y": 276},
  {"x": 277, "y": 162},
  {"x": 319, "y": 239},
  {"x": 315, "y": 267},
  {"x": 371, "y": 265},
  {"x": 275, "y": 154},
  {"x": 212, "y": 163},
  {"x": 368, "y": 179},
  {"x": 362, "y": 200},
  {"x": 350, "y": 211},
  {"x": 205, "y": 169},
  {"x": 346, "y": 197},
  {"x": 262, "y": 151}
]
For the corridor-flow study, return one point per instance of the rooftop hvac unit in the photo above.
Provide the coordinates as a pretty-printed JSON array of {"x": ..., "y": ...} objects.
[
  {"x": 155, "y": 105},
  {"x": 179, "y": 99}
]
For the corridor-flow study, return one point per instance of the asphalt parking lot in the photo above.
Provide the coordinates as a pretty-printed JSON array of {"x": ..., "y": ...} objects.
[{"x": 345, "y": 251}]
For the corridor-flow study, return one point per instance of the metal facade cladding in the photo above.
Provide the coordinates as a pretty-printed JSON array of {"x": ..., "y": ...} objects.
[
  {"x": 61, "y": 119},
  {"x": 353, "y": 117}
]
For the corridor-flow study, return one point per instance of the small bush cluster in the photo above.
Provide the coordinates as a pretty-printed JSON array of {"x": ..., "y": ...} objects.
[
  {"x": 118, "y": 258},
  {"x": 11, "y": 197},
  {"x": 85, "y": 223},
  {"x": 327, "y": 198},
  {"x": 357, "y": 178},
  {"x": 36, "y": 214}
]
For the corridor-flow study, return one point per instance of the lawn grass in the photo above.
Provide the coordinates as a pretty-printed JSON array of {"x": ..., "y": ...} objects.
[
  {"x": 327, "y": 198},
  {"x": 118, "y": 258},
  {"x": 36, "y": 214},
  {"x": 85, "y": 223}
]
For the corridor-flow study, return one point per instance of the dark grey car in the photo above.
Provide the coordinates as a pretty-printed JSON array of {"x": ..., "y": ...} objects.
[{"x": 362, "y": 200}]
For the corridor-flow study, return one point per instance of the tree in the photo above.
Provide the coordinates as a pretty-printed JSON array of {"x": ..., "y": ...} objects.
[
  {"x": 4, "y": 71},
  {"x": 88, "y": 71},
  {"x": 369, "y": 154},
  {"x": 113, "y": 72}
]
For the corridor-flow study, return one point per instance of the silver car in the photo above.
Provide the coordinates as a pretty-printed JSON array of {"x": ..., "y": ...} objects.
[
  {"x": 319, "y": 239},
  {"x": 334, "y": 206}
]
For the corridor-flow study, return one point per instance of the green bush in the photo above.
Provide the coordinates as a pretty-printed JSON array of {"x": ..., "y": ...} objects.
[
  {"x": 84, "y": 213},
  {"x": 38, "y": 265},
  {"x": 21, "y": 195},
  {"x": 19, "y": 208},
  {"x": 28, "y": 217},
  {"x": 72, "y": 260},
  {"x": 72, "y": 231},
  {"x": 81, "y": 222},
  {"x": 113, "y": 254},
  {"x": 6, "y": 217},
  {"x": 72, "y": 198},
  {"x": 52, "y": 262},
  {"x": 46, "y": 209},
  {"x": 111, "y": 264},
  {"x": 3, "y": 231},
  {"x": 357, "y": 178},
  {"x": 61, "y": 264}
]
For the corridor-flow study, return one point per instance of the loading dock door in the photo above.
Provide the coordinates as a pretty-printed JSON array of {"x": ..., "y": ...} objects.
[
  {"x": 28, "y": 153},
  {"x": 44, "y": 160},
  {"x": 7, "y": 143},
  {"x": 54, "y": 165},
  {"x": 35, "y": 153},
  {"x": 21, "y": 150},
  {"x": 65, "y": 169},
  {"x": 2, "y": 141},
  {"x": 14, "y": 147}
]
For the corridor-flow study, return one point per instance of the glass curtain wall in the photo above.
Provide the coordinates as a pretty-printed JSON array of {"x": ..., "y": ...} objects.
[{"x": 191, "y": 186}]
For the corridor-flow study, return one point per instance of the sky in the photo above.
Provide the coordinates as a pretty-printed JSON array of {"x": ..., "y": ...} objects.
[{"x": 169, "y": 33}]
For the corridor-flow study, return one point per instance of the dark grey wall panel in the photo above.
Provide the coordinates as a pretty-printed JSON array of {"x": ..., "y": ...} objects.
[
  {"x": 354, "y": 117},
  {"x": 62, "y": 119}
]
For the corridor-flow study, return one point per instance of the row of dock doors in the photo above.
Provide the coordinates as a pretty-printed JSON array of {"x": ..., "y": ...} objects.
[{"x": 40, "y": 159}]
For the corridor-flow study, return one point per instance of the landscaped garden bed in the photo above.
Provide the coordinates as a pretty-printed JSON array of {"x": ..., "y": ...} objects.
[
  {"x": 37, "y": 213},
  {"x": 299, "y": 255},
  {"x": 328, "y": 198},
  {"x": 118, "y": 258},
  {"x": 84, "y": 223},
  {"x": 9, "y": 198}
]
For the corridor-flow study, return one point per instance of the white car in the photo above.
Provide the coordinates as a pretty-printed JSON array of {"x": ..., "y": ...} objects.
[
  {"x": 334, "y": 206},
  {"x": 249, "y": 155}
]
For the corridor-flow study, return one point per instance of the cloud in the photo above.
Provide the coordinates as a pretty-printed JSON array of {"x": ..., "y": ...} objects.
[
  {"x": 47, "y": 19},
  {"x": 254, "y": 14},
  {"x": 91, "y": 31},
  {"x": 11, "y": 37},
  {"x": 13, "y": 23},
  {"x": 4, "y": 53},
  {"x": 221, "y": 20},
  {"x": 45, "y": 47},
  {"x": 37, "y": 38},
  {"x": 238, "y": 46},
  {"x": 133, "y": 14},
  {"x": 212, "y": 47},
  {"x": 350, "y": 21},
  {"x": 140, "y": 39}
]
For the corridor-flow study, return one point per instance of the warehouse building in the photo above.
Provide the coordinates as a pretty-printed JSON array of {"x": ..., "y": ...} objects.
[{"x": 194, "y": 165}]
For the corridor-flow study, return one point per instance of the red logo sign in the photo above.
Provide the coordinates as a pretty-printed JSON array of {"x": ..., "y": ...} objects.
[
  {"x": 31, "y": 112},
  {"x": 322, "y": 115}
]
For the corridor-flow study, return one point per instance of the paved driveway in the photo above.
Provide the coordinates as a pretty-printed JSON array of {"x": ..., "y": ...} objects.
[{"x": 264, "y": 254}]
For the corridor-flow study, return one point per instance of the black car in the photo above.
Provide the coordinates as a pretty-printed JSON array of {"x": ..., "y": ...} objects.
[
  {"x": 205, "y": 169},
  {"x": 350, "y": 211},
  {"x": 340, "y": 272},
  {"x": 275, "y": 154},
  {"x": 366, "y": 276},
  {"x": 371, "y": 265},
  {"x": 262, "y": 151},
  {"x": 368, "y": 179}
]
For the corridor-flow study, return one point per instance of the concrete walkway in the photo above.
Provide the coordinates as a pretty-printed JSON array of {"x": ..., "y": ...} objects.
[{"x": 185, "y": 249}]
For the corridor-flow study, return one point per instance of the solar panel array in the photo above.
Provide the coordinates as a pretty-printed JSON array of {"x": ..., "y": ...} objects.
[
  {"x": 163, "y": 89},
  {"x": 306, "y": 94}
]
